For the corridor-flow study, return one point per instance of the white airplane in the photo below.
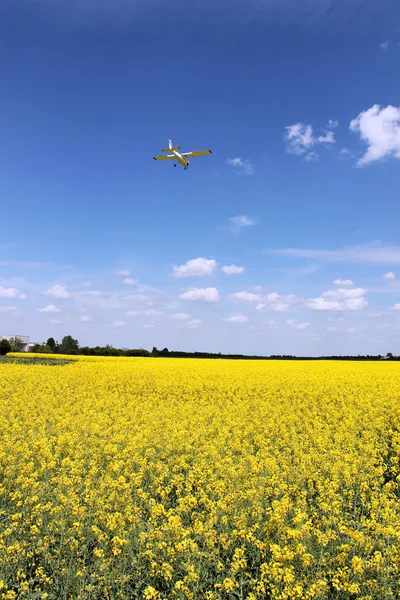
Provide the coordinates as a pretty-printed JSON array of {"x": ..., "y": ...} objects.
[{"x": 182, "y": 158}]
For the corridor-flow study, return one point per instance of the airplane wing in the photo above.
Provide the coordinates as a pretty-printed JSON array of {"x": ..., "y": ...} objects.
[
  {"x": 165, "y": 157},
  {"x": 196, "y": 153}
]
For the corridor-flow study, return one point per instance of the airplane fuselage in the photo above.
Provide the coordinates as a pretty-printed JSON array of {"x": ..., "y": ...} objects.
[{"x": 181, "y": 159}]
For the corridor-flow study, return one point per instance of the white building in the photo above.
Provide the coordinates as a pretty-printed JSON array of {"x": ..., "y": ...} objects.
[{"x": 24, "y": 338}]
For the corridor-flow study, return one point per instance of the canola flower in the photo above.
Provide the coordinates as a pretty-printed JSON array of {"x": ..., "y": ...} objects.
[{"x": 200, "y": 479}]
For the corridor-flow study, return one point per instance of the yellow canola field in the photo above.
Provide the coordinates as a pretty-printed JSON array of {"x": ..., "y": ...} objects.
[{"x": 201, "y": 479}]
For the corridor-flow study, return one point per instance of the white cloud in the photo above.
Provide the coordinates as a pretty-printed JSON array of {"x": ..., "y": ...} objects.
[
  {"x": 233, "y": 270},
  {"x": 332, "y": 124},
  {"x": 339, "y": 300},
  {"x": 343, "y": 282},
  {"x": 146, "y": 313},
  {"x": 380, "y": 129},
  {"x": 118, "y": 324},
  {"x": 389, "y": 276},
  {"x": 55, "y": 321},
  {"x": 237, "y": 223},
  {"x": 246, "y": 297},
  {"x": 236, "y": 319},
  {"x": 327, "y": 138},
  {"x": 148, "y": 325},
  {"x": 369, "y": 253},
  {"x": 87, "y": 284},
  {"x": 243, "y": 165},
  {"x": 208, "y": 295},
  {"x": 193, "y": 323},
  {"x": 277, "y": 302},
  {"x": 130, "y": 281},
  {"x": 300, "y": 139},
  {"x": 272, "y": 325},
  {"x": 180, "y": 317},
  {"x": 280, "y": 307},
  {"x": 198, "y": 267},
  {"x": 50, "y": 308},
  {"x": 135, "y": 298},
  {"x": 396, "y": 307},
  {"x": 385, "y": 45},
  {"x": 58, "y": 291},
  {"x": 291, "y": 321},
  {"x": 122, "y": 273},
  {"x": 86, "y": 319},
  {"x": 302, "y": 326},
  {"x": 11, "y": 292}
]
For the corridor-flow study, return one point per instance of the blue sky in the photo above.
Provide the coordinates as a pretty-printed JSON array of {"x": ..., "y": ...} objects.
[{"x": 300, "y": 104}]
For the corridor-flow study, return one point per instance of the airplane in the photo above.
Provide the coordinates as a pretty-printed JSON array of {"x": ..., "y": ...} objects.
[{"x": 181, "y": 158}]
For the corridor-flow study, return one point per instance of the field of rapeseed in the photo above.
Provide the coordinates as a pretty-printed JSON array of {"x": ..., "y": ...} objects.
[{"x": 159, "y": 478}]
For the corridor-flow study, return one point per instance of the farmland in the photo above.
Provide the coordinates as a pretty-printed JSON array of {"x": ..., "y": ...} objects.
[{"x": 183, "y": 478}]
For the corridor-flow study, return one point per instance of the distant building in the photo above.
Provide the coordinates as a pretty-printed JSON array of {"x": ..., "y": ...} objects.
[{"x": 24, "y": 338}]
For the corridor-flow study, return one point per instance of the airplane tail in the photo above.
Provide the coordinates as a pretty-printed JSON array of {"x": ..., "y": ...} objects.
[{"x": 171, "y": 147}]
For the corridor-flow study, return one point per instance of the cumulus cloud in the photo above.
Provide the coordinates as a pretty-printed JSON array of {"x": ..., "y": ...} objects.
[
  {"x": 193, "y": 323},
  {"x": 118, "y": 324},
  {"x": 58, "y": 291},
  {"x": 245, "y": 297},
  {"x": 300, "y": 139},
  {"x": 130, "y": 281},
  {"x": 145, "y": 313},
  {"x": 237, "y": 223},
  {"x": 327, "y": 138},
  {"x": 385, "y": 45},
  {"x": 272, "y": 324},
  {"x": 302, "y": 326},
  {"x": 396, "y": 307},
  {"x": 343, "y": 282},
  {"x": 50, "y": 308},
  {"x": 208, "y": 295},
  {"x": 273, "y": 301},
  {"x": 87, "y": 284},
  {"x": 122, "y": 272},
  {"x": 86, "y": 319},
  {"x": 243, "y": 165},
  {"x": 148, "y": 325},
  {"x": 339, "y": 300},
  {"x": 180, "y": 317},
  {"x": 197, "y": 267},
  {"x": 380, "y": 130},
  {"x": 135, "y": 298},
  {"x": 332, "y": 124},
  {"x": 233, "y": 270},
  {"x": 390, "y": 276},
  {"x": 11, "y": 293},
  {"x": 236, "y": 319}
]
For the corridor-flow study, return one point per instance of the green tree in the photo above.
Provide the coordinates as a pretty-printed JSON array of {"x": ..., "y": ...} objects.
[
  {"x": 69, "y": 345},
  {"x": 5, "y": 347},
  {"x": 51, "y": 342},
  {"x": 17, "y": 345},
  {"x": 42, "y": 349}
]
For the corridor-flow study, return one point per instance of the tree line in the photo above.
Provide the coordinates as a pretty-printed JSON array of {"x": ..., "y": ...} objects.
[{"x": 69, "y": 345}]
